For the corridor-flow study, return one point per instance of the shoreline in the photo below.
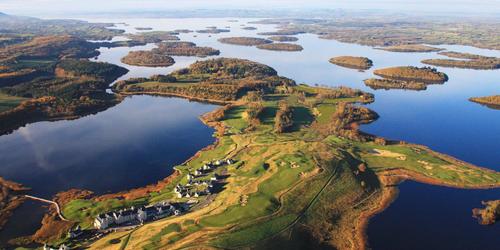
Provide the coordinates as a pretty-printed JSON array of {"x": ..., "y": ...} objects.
[{"x": 388, "y": 196}]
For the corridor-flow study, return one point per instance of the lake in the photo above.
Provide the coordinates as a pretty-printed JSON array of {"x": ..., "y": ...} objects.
[{"x": 138, "y": 141}]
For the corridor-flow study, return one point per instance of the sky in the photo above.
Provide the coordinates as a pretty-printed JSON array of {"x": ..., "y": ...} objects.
[{"x": 45, "y": 7}]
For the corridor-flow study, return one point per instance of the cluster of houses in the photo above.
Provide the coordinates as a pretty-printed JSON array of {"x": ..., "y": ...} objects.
[
  {"x": 136, "y": 215},
  {"x": 61, "y": 247},
  {"x": 196, "y": 187}
]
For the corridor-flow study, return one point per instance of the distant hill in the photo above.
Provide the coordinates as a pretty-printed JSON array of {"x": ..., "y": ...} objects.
[{"x": 53, "y": 27}]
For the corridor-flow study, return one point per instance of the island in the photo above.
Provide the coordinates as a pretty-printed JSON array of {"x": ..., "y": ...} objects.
[
  {"x": 154, "y": 36},
  {"x": 281, "y": 47},
  {"x": 353, "y": 62},
  {"x": 147, "y": 59},
  {"x": 489, "y": 101},
  {"x": 375, "y": 83},
  {"x": 470, "y": 61},
  {"x": 410, "y": 73},
  {"x": 488, "y": 215},
  {"x": 290, "y": 166},
  {"x": 217, "y": 80},
  {"x": 143, "y": 28},
  {"x": 287, "y": 32},
  {"x": 185, "y": 31},
  {"x": 184, "y": 49},
  {"x": 213, "y": 30},
  {"x": 245, "y": 41},
  {"x": 248, "y": 28},
  {"x": 410, "y": 48},
  {"x": 283, "y": 38}
]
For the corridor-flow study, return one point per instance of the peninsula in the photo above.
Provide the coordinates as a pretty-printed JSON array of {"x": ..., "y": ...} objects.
[
  {"x": 468, "y": 61},
  {"x": 410, "y": 48},
  {"x": 11, "y": 197},
  {"x": 290, "y": 166},
  {"x": 49, "y": 78},
  {"x": 489, "y": 101}
]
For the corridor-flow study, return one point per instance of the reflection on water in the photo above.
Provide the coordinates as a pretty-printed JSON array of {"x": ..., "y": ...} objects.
[
  {"x": 138, "y": 141},
  {"x": 130, "y": 145},
  {"x": 431, "y": 217},
  {"x": 133, "y": 143}
]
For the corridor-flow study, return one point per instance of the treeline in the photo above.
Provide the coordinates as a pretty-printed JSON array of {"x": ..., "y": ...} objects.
[
  {"x": 50, "y": 47},
  {"x": 283, "y": 122},
  {"x": 394, "y": 84},
  {"x": 346, "y": 119},
  {"x": 106, "y": 72},
  {"x": 323, "y": 93},
  {"x": 254, "y": 108},
  {"x": 50, "y": 107}
]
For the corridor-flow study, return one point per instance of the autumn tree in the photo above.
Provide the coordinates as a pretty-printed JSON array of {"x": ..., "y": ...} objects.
[{"x": 283, "y": 121}]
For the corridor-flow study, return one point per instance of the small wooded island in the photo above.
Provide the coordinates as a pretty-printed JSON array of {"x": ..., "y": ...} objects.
[
  {"x": 147, "y": 59},
  {"x": 245, "y": 41},
  {"x": 387, "y": 84},
  {"x": 410, "y": 73},
  {"x": 488, "y": 215},
  {"x": 283, "y": 38},
  {"x": 408, "y": 77},
  {"x": 468, "y": 61},
  {"x": 353, "y": 62},
  {"x": 489, "y": 101},
  {"x": 184, "y": 49},
  {"x": 154, "y": 36},
  {"x": 287, "y": 157},
  {"x": 410, "y": 48},
  {"x": 281, "y": 47},
  {"x": 212, "y": 30}
]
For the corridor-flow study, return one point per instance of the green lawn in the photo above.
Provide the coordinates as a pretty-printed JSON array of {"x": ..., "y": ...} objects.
[{"x": 8, "y": 102}]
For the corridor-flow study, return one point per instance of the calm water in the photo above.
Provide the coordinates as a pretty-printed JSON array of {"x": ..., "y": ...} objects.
[
  {"x": 127, "y": 146},
  {"x": 134, "y": 145}
]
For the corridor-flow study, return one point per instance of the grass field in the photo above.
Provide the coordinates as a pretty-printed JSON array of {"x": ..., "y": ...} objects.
[
  {"x": 8, "y": 102},
  {"x": 284, "y": 188}
]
